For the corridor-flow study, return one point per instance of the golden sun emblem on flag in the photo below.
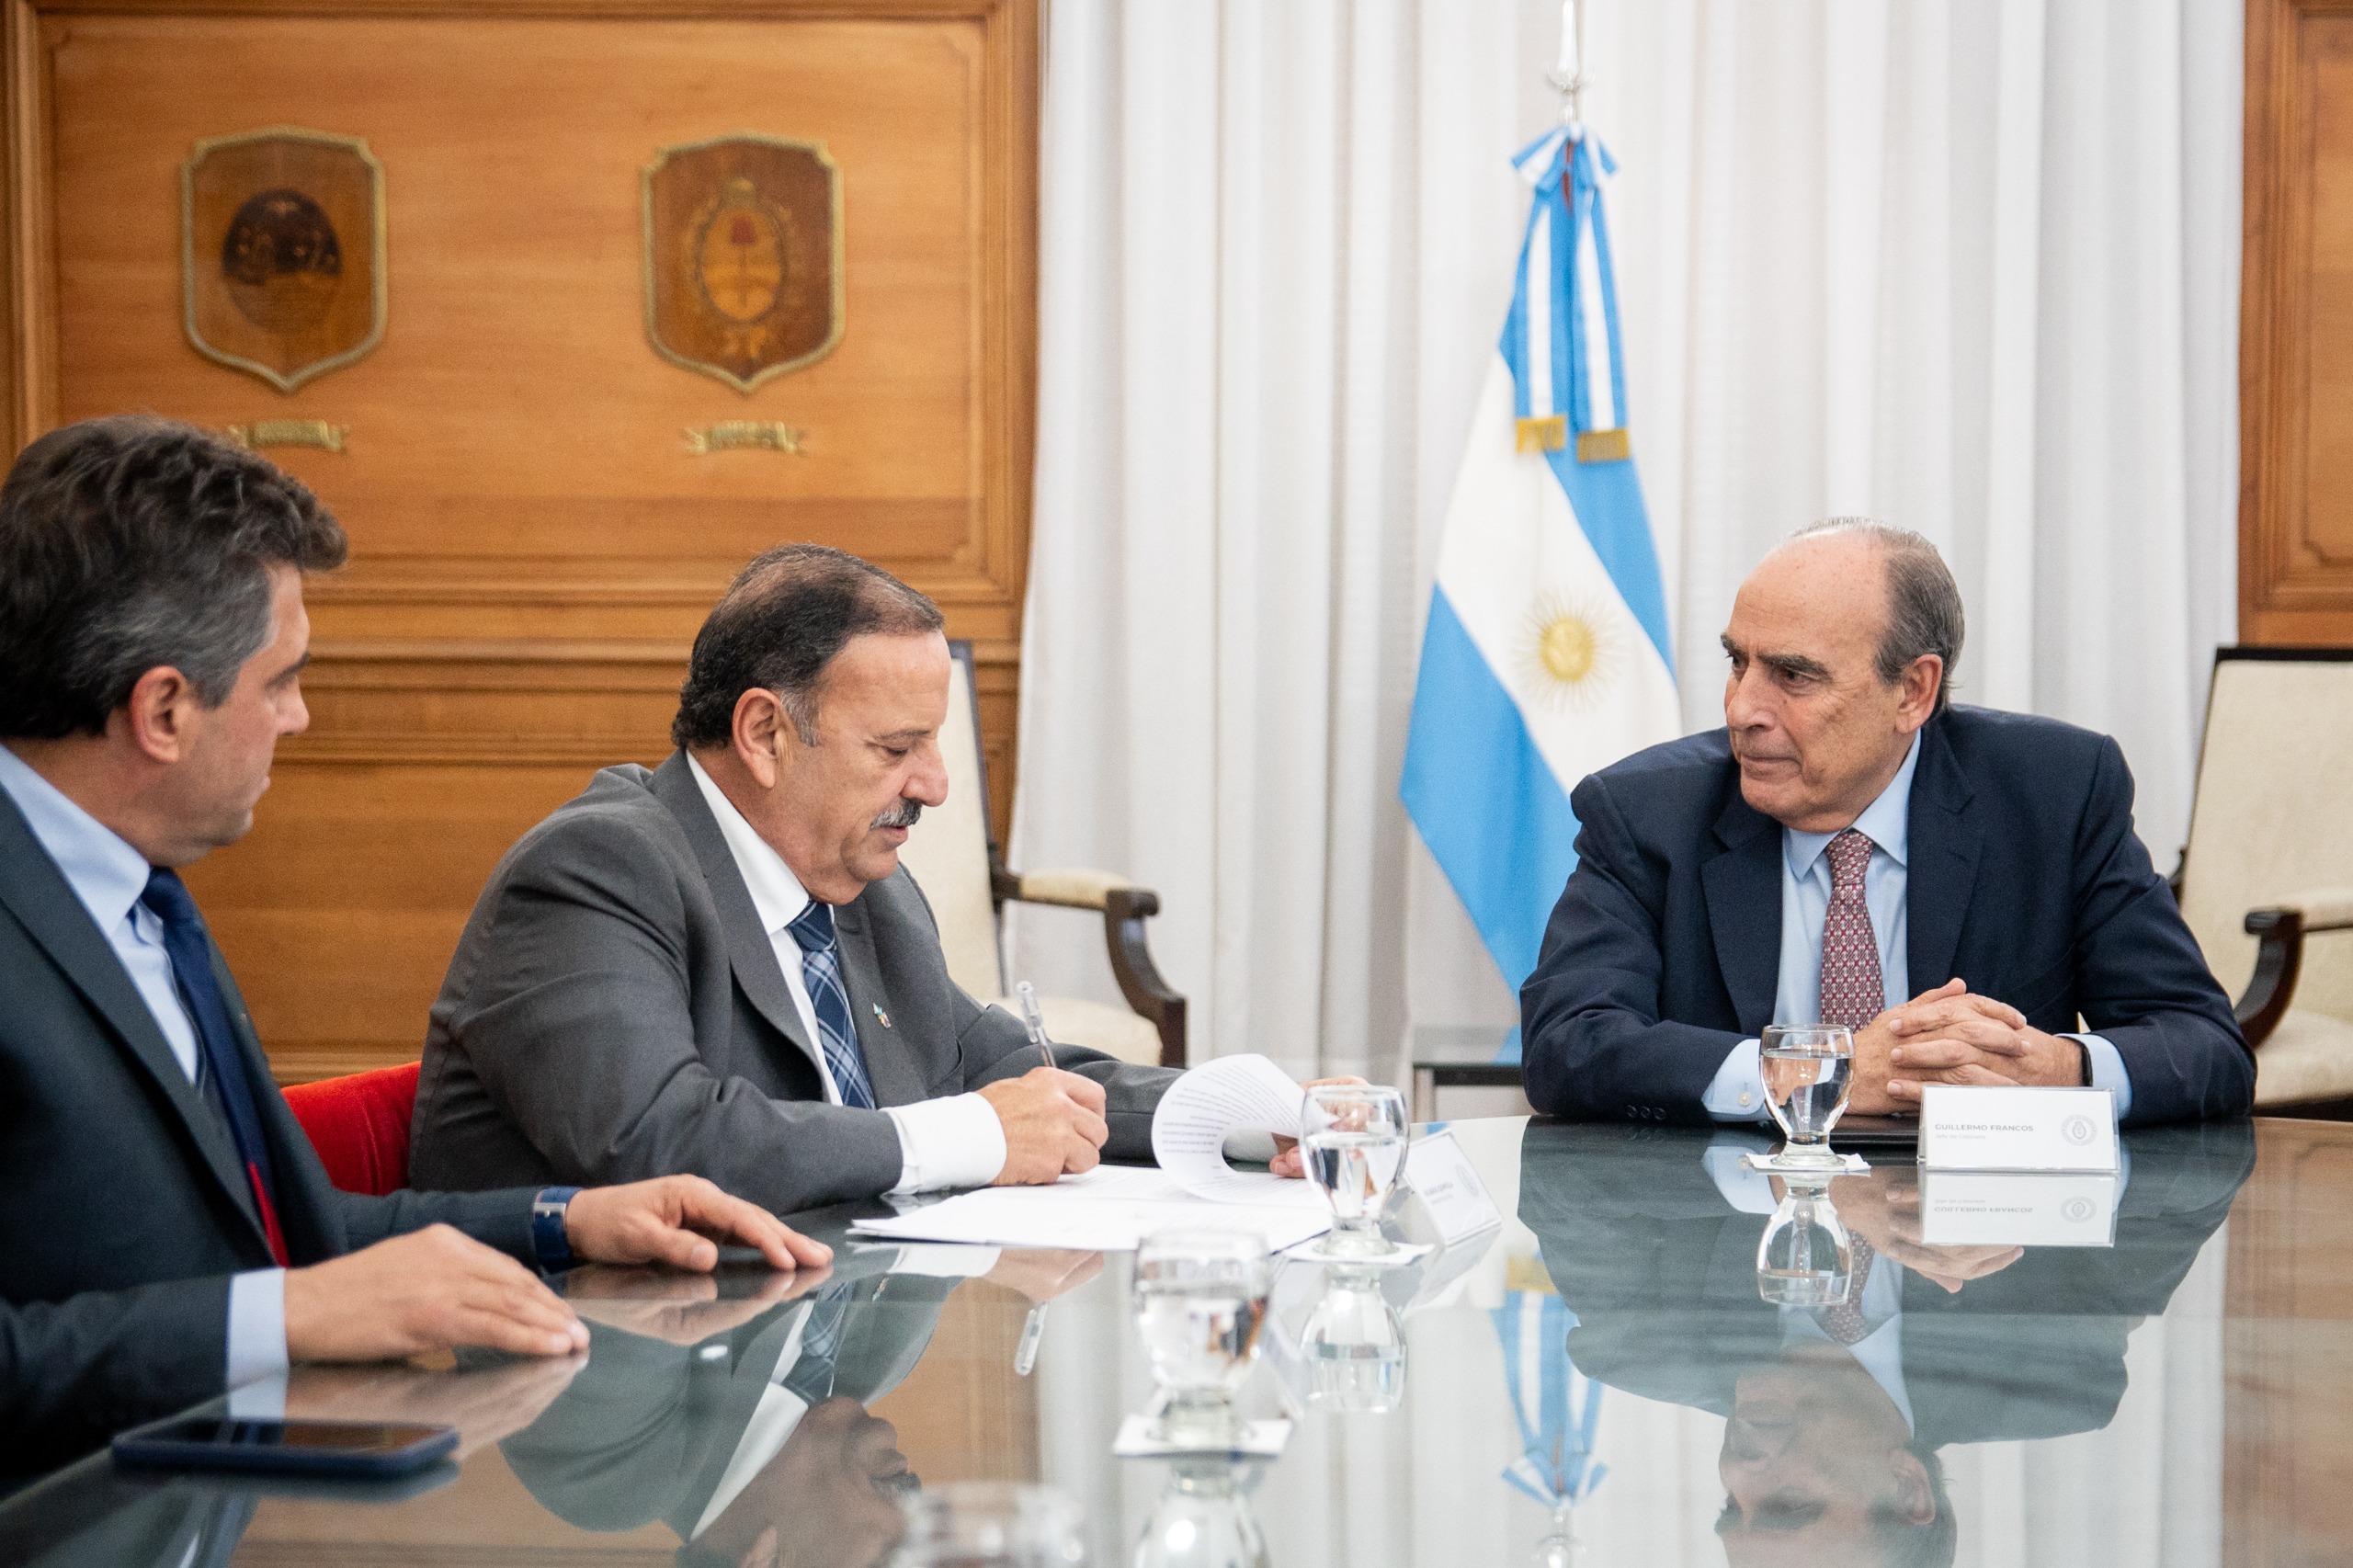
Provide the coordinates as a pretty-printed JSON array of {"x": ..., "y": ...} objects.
[{"x": 1570, "y": 650}]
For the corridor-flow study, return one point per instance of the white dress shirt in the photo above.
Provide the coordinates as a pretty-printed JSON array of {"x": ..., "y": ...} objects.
[
  {"x": 956, "y": 1141},
  {"x": 1737, "y": 1093},
  {"x": 107, "y": 875}
]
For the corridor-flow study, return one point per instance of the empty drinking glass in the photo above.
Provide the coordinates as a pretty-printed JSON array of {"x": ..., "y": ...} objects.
[
  {"x": 1201, "y": 1300},
  {"x": 1809, "y": 1073},
  {"x": 1352, "y": 1137}
]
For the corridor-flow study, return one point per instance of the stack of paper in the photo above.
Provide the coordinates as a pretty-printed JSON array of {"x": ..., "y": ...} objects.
[{"x": 1112, "y": 1209}]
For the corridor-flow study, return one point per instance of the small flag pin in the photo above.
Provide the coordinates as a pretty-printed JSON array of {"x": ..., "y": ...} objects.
[{"x": 880, "y": 1015}]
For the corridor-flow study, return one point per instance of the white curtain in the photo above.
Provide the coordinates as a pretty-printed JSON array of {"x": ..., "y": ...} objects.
[{"x": 1967, "y": 265}]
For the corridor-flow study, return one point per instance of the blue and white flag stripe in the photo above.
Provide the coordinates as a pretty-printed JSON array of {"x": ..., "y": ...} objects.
[{"x": 1547, "y": 653}]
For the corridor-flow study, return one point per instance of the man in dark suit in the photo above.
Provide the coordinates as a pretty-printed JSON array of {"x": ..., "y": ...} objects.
[
  {"x": 1834, "y": 1420},
  {"x": 1852, "y": 839},
  {"x": 169, "y": 1231},
  {"x": 718, "y": 966}
]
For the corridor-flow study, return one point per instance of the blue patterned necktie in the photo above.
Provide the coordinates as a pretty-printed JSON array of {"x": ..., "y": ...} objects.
[
  {"x": 811, "y": 1377},
  {"x": 223, "y": 1063},
  {"x": 821, "y": 967}
]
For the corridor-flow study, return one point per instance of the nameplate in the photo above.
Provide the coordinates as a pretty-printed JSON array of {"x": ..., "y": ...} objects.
[
  {"x": 2022, "y": 1208},
  {"x": 1451, "y": 1194},
  {"x": 1966, "y": 1128}
]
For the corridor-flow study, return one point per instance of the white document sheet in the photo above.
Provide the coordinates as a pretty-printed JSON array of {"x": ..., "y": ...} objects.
[{"x": 1112, "y": 1208}]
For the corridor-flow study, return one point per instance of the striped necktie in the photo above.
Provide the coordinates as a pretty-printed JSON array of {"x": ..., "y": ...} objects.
[
  {"x": 220, "y": 1061},
  {"x": 821, "y": 967}
]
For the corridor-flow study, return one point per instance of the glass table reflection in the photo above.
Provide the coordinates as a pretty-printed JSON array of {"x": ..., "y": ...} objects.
[{"x": 1606, "y": 1378}]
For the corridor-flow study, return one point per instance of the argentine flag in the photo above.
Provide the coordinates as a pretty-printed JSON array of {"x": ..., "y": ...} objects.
[{"x": 1546, "y": 655}]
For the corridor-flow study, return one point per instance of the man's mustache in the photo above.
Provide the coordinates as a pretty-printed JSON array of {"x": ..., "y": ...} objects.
[{"x": 903, "y": 814}]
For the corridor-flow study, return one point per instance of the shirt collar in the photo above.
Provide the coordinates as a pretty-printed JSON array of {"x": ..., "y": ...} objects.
[
  {"x": 778, "y": 896},
  {"x": 105, "y": 872},
  {"x": 1885, "y": 821}
]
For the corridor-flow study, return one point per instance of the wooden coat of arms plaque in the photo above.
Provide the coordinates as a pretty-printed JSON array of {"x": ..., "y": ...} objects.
[
  {"x": 282, "y": 251},
  {"x": 744, "y": 257}
]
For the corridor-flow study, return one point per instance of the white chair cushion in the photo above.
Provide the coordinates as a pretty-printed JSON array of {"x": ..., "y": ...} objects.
[
  {"x": 1115, "y": 1031},
  {"x": 2309, "y": 1057}
]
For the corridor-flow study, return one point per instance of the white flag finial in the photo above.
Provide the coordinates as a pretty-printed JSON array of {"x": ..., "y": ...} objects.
[{"x": 1568, "y": 76}]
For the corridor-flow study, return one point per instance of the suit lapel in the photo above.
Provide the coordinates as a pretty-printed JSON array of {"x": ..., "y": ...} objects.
[
  {"x": 313, "y": 1232},
  {"x": 1943, "y": 850},
  {"x": 891, "y": 1067},
  {"x": 1743, "y": 887},
  {"x": 36, "y": 893},
  {"x": 749, "y": 952}
]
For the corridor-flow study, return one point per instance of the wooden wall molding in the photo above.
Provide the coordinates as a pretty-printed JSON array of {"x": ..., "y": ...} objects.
[{"x": 2296, "y": 327}]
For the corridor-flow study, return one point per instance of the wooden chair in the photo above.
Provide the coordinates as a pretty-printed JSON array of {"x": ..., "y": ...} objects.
[
  {"x": 2269, "y": 865},
  {"x": 954, "y": 858}
]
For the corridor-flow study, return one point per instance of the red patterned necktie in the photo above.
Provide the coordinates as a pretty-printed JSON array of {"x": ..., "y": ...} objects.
[
  {"x": 1852, "y": 990},
  {"x": 1845, "y": 1323}
]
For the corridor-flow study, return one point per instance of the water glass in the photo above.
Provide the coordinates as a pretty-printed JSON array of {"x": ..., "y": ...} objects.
[
  {"x": 1352, "y": 1137},
  {"x": 1201, "y": 1301},
  {"x": 1809, "y": 1074},
  {"x": 1805, "y": 1258},
  {"x": 1203, "y": 1519},
  {"x": 991, "y": 1523}
]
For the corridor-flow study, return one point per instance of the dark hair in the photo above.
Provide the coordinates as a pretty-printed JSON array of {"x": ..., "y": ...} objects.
[
  {"x": 132, "y": 542},
  {"x": 777, "y": 628},
  {"x": 1901, "y": 1542},
  {"x": 1924, "y": 613}
]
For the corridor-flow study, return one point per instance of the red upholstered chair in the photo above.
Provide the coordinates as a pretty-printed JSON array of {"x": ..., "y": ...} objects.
[{"x": 359, "y": 1126}]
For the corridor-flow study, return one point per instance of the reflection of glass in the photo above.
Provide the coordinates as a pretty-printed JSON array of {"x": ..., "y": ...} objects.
[
  {"x": 991, "y": 1523},
  {"x": 1352, "y": 1137},
  {"x": 1805, "y": 1259},
  {"x": 1201, "y": 1298},
  {"x": 1809, "y": 1072},
  {"x": 1354, "y": 1345},
  {"x": 1203, "y": 1521}
]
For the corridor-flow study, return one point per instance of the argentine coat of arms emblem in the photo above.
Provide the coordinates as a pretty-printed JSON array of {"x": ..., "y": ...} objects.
[
  {"x": 282, "y": 251},
  {"x": 744, "y": 257}
]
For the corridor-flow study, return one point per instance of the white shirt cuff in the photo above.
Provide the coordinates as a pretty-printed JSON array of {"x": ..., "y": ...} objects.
[
  {"x": 2108, "y": 1070},
  {"x": 1737, "y": 1091},
  {"x": 954, "y": 1141},
  {"x": 257, "y": 1325}
]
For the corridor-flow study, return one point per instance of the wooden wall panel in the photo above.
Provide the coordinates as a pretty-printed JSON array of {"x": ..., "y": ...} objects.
[
  {"x": 2296, "y": 331},
  {"x": 534, "y": 541}
]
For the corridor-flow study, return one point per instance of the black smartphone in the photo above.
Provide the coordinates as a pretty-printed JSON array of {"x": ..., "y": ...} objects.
[{"x": 307, "y": 1448}]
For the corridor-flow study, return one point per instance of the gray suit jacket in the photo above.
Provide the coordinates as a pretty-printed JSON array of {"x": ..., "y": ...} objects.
[{"x": 614, "y": 1012}]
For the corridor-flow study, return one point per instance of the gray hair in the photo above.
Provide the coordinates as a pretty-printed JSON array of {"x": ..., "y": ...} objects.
[{"x": 1924, "y": 612}]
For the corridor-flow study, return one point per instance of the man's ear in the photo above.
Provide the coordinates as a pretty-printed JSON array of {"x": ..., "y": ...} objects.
[
  {"x": 760, "y": 725},
  {"x": 1922, "y": 679},
  {"x": 159, "y": 715},
  {"x": 1915, "y": 1497}
]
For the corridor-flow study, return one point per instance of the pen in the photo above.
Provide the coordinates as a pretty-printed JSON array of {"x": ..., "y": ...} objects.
[{"x": 1035, "y": 1020}]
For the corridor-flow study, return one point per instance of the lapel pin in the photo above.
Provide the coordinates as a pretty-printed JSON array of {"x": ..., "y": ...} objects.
[{"x": 880, "y": 1015}]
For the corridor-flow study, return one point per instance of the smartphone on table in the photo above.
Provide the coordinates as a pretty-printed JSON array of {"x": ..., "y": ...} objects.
[{"x": 306, "y": 1448}]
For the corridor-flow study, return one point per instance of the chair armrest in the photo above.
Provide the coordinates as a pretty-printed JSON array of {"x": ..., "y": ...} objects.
[
  {"x": 1073, "y": 888},
  {"x": 1125, "y": 908},
  {"x": 2324, "y": 909}
]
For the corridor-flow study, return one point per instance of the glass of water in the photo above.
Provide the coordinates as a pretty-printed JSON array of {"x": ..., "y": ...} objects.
[
  {"x": 1201, "y": 1301},
  {"x": 1352, "y": 1137},
  {"x": 1354, "y": 1344},
  {"x": 1805, "y": 1257},
  {"x": 1809, "y": 1074},
  {"x": 991, "y": 1523}
]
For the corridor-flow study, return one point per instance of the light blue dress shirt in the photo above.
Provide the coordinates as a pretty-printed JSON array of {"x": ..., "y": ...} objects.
[
  {"x": 1737, "y": 1092},
  {"x": 107, "y": 875}
]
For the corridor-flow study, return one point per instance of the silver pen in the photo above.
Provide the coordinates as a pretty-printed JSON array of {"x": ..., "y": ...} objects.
[{"x": 1035, "y": 1020}]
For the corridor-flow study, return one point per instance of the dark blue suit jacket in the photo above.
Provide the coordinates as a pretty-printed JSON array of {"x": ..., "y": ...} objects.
[
  {"x": 2023, "y": 879},
  {"x": 126, "y": 1209}
]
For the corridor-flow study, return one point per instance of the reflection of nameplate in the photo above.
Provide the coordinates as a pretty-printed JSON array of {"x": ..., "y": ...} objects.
[
  {"x": 282, "y": 251},
  {"x": 2031, "y": 1208},
  {"x": 1447, "y": 1190},
  {"x": 1963, "y": 1127},
  {"x": 744, "y": 257}
]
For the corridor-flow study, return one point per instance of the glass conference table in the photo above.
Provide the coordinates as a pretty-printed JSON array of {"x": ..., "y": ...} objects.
[{"x": 1597, "y": 1380}]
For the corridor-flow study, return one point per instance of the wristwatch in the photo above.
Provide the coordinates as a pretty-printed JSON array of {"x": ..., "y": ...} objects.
[{"x": 549, "y": 1243}]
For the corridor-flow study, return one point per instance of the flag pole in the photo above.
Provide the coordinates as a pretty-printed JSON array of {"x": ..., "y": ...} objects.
[{"x": 1568, "y": 77}]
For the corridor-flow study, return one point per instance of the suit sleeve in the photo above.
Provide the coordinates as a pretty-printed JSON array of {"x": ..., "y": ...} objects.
[
  {"x": 1594, "y": 1043},
  {"x": 576, "y": 1018},
  {"x": 500, "y": 1219},
  {"x": 76, "y": 1370},
  {"x": 2140, "y": 979}
]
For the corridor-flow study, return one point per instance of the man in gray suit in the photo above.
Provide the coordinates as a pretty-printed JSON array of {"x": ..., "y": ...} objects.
[{"x": 717, "y": 966}]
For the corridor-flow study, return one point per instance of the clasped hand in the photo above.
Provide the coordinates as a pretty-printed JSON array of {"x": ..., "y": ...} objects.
[{"x": 1951, "y": 1035}]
